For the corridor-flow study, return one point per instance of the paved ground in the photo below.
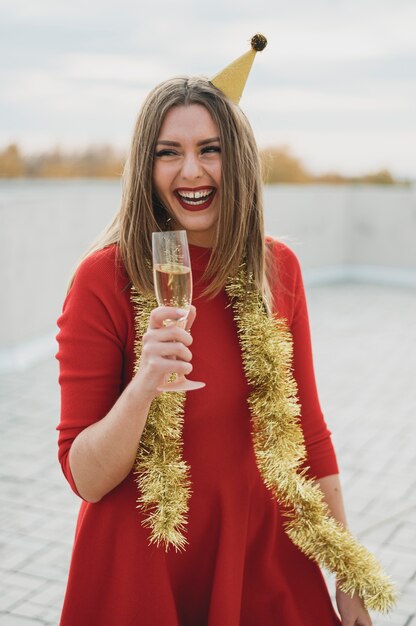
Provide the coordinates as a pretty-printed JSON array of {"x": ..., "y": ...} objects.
[{"x": 364, "y": 341}]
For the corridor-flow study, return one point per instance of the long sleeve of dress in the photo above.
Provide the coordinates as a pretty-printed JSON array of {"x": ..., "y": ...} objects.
[
  {"x": 290, "y": 300},
  {"x": 94, "y": 327}
]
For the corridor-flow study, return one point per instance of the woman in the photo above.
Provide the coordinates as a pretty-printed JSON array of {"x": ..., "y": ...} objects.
[{"x": 193, "y": 165}]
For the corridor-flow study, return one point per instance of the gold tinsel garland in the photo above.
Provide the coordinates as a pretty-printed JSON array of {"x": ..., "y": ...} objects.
[
  {"x": 163, "y": 478},
  {"x": 162, "y": 475},
  {"x": 267, "y": 349}
]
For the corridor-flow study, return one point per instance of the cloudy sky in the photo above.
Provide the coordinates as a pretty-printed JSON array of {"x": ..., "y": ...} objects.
[{"x": 337, "y": 82}]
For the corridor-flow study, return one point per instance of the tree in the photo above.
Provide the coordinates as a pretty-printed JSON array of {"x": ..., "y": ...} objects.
[
  {"x": 280, "y": 166},
  {"x": 11, "y": 162}
]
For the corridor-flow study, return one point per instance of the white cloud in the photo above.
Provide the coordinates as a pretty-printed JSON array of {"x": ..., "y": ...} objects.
[
  {"x": 294, "y": 100},
  {"x": 352, "y": 152},
  {"x": 113, "y": 67}
]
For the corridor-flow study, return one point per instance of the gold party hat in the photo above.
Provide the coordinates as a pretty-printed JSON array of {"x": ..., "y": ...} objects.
[{"x": 232, "y": 79}]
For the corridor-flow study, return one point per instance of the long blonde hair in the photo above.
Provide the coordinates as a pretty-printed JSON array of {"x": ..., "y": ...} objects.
[{"x": 240, "y": 230}]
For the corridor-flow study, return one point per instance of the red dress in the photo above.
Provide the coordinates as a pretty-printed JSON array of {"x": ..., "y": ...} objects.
[{"x": 239, "y": 568}]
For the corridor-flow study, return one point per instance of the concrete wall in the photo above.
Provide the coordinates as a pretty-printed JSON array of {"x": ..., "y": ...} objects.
[
  {"x": 346, "y": 225},
  {"x": 45, "y": 227},
  {"x": 314, "y": 221},
  {"x": 337, "y": 232}
]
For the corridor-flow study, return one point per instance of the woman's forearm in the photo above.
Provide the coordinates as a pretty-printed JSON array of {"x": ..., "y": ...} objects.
[
  {"x": 331, "y": 488},
  {"x": 351, "y": 608},
  {"x": 103, "y": 454}
]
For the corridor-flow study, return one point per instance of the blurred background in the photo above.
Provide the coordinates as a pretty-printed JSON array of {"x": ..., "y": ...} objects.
[{"x": 331, "y": 101}]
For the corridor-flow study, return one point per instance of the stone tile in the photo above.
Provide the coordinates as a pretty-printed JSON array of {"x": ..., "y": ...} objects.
[
  {"x": 7, "y": 619},
  {"x": 50, "y": 594},
  {"x": 52, "y": 563},
  {"x": 396, "y": 619},
  {"x": 10, "y": 596},
  {"x": 22, "y": 517},
  {"x": 405, "y": 537},
  {"x": 20, "y": 581},
  {"x": 32, "y": 610},
  {"x": 16, "y": 549},
  {"x": 410, "y": 588},
  {"x": 407, "y": 602}
]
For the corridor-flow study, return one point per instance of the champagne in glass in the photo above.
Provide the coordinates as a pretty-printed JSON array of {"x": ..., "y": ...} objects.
[
  {"x": 173, "y": 287},
  {"x": 173, "y": 284}
]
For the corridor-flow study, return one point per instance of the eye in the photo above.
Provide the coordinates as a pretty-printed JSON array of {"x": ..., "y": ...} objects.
[
  {"x": 166, "y": 152},
  {"x": 211, "y": 149}
]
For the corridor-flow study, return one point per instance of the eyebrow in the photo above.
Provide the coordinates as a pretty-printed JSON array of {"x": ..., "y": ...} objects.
[{"x": 163, "y": 142}]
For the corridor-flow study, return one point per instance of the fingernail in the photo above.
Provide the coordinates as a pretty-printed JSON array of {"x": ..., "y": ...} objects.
[{"x": 182, "y": 312}]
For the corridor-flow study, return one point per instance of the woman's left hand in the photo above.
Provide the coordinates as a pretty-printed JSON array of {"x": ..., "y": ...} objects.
[{"x": 352, "y": 610}]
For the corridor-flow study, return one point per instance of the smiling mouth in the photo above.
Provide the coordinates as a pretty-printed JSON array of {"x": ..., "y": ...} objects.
[{"x": 195, "y": 199}]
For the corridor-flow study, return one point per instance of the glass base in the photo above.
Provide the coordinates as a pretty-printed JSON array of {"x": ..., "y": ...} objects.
[{"x": 181, "y": 385}]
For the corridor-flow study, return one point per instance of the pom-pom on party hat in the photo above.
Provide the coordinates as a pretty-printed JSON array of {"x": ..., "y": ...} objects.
[{"x": 232, "y": 79}]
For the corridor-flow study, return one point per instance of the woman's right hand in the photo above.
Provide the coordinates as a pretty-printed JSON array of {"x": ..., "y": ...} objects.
[{"x": 165, "y": 348}]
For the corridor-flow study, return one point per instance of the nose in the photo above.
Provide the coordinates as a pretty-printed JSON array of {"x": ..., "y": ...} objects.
[{"x": 191, "y": 167}]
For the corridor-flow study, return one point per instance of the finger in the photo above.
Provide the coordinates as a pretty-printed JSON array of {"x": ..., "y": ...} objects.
[
  {"x": 167, "y": 333},
  {"x": 162, "y": 313},
  {"x": 165, "y": 366},
  {"x": 191, "y": 318},
  {"x": 182, "y": 368},
  {"x": 174, "y": 349}
]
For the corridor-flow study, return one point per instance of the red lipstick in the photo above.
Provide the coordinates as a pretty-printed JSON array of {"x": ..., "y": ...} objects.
[{"x": 195, "y": 198}]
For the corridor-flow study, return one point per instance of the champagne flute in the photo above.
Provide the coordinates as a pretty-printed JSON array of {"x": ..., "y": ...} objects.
[{"x": 173, "y": 287}]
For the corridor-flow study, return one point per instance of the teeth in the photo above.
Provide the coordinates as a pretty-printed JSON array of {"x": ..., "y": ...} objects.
[
  {"x": 195, "y": 202},
  {"x": 195, "y": 195}
]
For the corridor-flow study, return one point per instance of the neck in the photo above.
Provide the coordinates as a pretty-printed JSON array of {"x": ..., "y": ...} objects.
[{"x": 203, "y": 240}]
